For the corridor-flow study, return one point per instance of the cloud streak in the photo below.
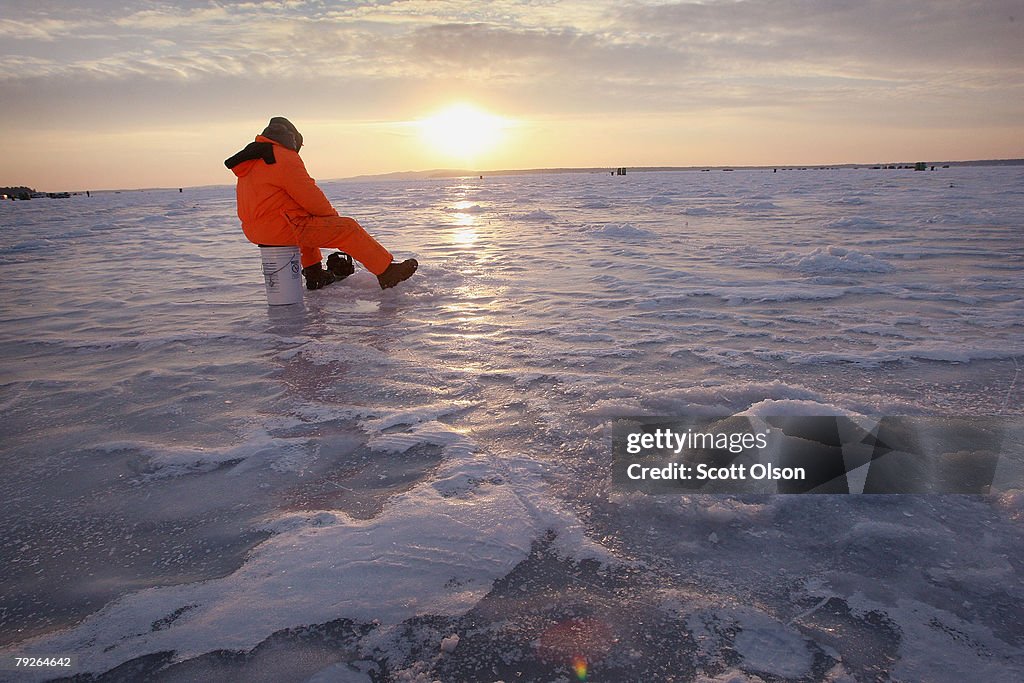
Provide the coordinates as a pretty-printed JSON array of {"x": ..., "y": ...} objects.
[{"x": 860, "y": 40}]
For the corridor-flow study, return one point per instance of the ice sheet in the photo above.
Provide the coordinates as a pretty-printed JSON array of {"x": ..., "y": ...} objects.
[{"x": 349, "y": 482}]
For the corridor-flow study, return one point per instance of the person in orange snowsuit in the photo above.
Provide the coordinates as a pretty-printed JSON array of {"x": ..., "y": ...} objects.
[{"x": 280, "y": 205}]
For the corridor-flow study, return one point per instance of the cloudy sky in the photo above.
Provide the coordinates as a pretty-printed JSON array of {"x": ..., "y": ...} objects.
[{"x": 126, "y": 94}]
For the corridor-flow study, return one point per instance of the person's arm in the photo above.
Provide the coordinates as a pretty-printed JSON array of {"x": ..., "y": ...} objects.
[{"x": 302, "y": 188}]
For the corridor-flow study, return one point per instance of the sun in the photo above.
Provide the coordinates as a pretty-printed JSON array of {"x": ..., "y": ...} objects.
[{"x": 463, "y": 131}]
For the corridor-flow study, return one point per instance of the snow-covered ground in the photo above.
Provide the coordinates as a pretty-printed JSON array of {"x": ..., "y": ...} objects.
[{"x": 199, "y": 487}]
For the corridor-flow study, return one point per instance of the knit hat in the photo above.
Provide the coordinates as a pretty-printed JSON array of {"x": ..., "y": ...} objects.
[{"x": 281, "y": 130}]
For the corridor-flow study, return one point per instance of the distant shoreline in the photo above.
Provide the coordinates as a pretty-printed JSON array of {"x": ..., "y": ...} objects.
[
  {"x": 460, "y": 173},
  {"x": 441, "y": 173}
]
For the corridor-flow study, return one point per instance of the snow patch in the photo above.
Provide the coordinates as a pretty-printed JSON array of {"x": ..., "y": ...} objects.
[
  {"x": 834, "y": 259},
  {"x": 617, "y": 231},
  {"x": 537, "y": 215}
]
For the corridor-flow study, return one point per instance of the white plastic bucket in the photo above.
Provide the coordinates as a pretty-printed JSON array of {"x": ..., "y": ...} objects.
[{"x": 281, "y": 273}]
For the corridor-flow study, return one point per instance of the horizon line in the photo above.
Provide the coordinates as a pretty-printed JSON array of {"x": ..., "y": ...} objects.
[
  {"x": 461, "y": 172},
  {"x": 440, "y": 173}
]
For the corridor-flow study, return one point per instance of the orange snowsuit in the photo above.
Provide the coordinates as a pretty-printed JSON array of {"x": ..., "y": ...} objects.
[{"x": 280, "y": 205}]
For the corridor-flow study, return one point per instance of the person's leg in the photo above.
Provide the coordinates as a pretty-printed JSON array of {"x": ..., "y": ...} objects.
[
  {"x": 310, "y": 256},
  {"x": 340, "y": 232}
]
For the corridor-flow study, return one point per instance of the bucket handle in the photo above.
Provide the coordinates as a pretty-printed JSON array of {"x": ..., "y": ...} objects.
[{"x": 275, "y": 272}]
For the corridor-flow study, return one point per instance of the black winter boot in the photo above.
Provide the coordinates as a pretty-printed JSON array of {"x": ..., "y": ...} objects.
[
  {"x": 317, "y": 277},
  {"x": 340, "y": 265},
  {"x": 397, "y": 272}
]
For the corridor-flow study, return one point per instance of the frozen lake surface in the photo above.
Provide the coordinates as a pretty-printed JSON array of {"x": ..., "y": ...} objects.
[{"x": 199, "y": 487}]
